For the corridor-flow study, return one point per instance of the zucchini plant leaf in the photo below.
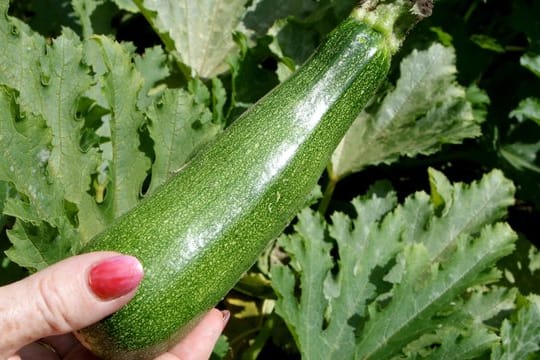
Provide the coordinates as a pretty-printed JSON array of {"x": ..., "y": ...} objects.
[
  {"x": 221, "y": 348},
  {"x": 522, "y": 156},
  {"x": 457, "y": 344},
  {"x": 200, "y": 32},
  {"x": 83, "y": 10},
  {"x": 472, "y": 338},
  {"x": 42, "y": 233},
  {"x": 50, "y": 80},
  {"x": 534, "y": 259},
  {"x": 520, "y": 337},
  {"x": 528, "y": 108},
  {"x": 433, "y": 286},
  {"x": 128, "y": 5},
  {"x": 153, "y": 67},
  {"x": 398, "y": 272},
  {"x": 37, "y": 246},
  {"x": 127, "y": 165},
  {"x": 4, "y": 188},
  {"x": 531, "y": 62},
  {"x": 518, "y": 147},
  {"x": 179, "y": 123},
  {"x": 63, "y": 80},
  {"x": 427, "y": 108}
]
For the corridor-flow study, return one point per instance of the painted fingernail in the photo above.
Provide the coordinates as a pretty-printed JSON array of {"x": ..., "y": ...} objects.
[
  {"x": 226, "y": 316},
  {"x": 115, "y": 276}
]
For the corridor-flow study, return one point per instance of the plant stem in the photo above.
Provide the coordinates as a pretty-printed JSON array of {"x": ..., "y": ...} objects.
[
  {"x": 261, "y": 339},
  {"x": 327, "y": 196},
  {"x": 470, "y": 11}
]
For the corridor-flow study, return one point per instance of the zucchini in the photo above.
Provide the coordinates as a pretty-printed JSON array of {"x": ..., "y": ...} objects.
[{"x": 198, "y": 233}]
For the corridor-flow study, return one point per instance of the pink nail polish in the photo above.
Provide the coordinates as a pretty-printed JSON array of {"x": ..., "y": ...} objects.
[{"x": 115, "y": 276}]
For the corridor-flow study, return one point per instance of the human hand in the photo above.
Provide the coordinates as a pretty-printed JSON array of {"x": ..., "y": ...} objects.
[{"x": 39, "y": 313}]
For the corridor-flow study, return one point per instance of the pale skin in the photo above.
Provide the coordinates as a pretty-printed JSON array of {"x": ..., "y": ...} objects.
[{"x": 39, "y": 314}]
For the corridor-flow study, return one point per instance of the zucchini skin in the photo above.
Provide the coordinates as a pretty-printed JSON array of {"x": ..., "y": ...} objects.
[{"x": 199, "y": 232}]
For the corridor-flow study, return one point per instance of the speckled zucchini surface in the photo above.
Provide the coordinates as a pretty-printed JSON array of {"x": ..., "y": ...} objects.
[{"x": 204, "y": 228}]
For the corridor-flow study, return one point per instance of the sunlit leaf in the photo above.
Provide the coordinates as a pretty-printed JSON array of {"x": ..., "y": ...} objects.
[
  {"x": 520, "y": 337},
  {"x": 401, "y": 271},
  {"x": 200, "y": 31},
  {"x": 528, "y": 108},
  {"x": 426, "y": 109}
]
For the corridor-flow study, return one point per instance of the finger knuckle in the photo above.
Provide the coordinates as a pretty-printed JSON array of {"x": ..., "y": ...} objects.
[{"x": 52, "y": 307}]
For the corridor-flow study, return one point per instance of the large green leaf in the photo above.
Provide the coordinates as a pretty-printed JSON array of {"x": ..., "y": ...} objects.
[
  {"x": 179, "y": 125},
  {"x": 127, "y": 165},
  {"x": 84, "y": 10},
  {"x": 153, "y": 67},
  {"x": 458, "y": 344},
  {"x": 50, "y": 80},
  {"x": 426, "y": 109},
  {"x": 520, "y": 338},
  {"x": 431, "y": 287},
  {"x": 42, "y": 234},
  {"x": 25, "y": 142},
  {"x": 397, "y": 273},
  {"x": 199, "y": 31},
  {"x": 471, "y": 339}
]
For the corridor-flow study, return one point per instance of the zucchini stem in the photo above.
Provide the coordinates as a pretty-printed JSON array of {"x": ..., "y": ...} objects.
[{"x": 394, "y": 19}]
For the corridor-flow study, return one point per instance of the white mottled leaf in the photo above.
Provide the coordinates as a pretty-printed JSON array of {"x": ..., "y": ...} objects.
[
  {"x": 200, "y": 31},
  {"x": 426, "y": 109}
]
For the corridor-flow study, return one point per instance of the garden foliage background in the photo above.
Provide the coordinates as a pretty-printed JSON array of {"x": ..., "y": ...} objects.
[{"x": 421, "y": 240}]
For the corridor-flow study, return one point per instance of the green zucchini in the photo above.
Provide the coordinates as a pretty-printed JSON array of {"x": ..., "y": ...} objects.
[{"x": 197, "y": 234}]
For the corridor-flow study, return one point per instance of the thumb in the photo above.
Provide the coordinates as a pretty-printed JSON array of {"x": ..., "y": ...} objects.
[{"x": 64, "y": 297}]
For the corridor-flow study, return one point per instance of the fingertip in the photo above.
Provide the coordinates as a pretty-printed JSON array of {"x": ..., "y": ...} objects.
[
  {"x": 226, "y": 314},
  {"x": 213, "y": 323}
]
